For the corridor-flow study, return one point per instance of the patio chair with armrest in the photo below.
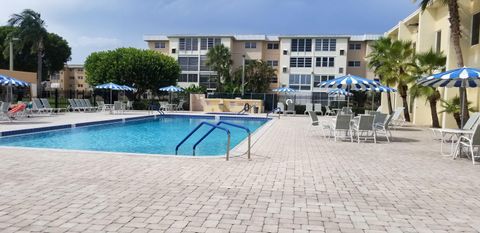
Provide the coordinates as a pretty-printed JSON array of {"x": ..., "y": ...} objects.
[
  {"x": 364, "y": 128},
  {"x": 318, "y": 108},
  {"x": 341, "y": 127},
  {"x": 328, "y": 111},
  {"x": 308, "y": 108},
  {"x": 316, "y": 123},
  {"x": 470, "y": 142},
  {"x": 383, "y": 127},
  {"x": 290, "y": 107},
  {"x": 46, "y": 104},
  {"x": 281, "y": 107}
]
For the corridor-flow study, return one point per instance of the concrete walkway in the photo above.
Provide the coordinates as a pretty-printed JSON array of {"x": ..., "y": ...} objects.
[{"x": 296, "y": 182}]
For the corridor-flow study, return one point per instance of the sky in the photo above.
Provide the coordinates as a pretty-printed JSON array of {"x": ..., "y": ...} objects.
[{"x": 95, "y": 25}]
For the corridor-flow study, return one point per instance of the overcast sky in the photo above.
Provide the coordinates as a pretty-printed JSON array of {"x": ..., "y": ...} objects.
[{"x": 93, "y": 25}]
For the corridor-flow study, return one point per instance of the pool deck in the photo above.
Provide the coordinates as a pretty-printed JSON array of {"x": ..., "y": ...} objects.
[{"x": 296, "y": 182}]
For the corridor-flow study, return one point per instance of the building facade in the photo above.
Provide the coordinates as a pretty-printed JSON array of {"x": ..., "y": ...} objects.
[
  {"x": 301, "y": 61},
  {"x": 430, "y": 29},
  {"x": 72, "y": 77}
]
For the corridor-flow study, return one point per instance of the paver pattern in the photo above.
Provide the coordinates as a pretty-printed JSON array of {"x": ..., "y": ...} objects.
[{"x": 296, "y": 182}]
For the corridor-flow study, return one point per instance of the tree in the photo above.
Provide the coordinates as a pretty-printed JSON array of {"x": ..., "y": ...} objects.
[
  {"x": 57, "y": 53},
  {"x": 219, "y": 60},
  {"x": 258, "y": 75},
  {"x": 142, "y": 69},
  {"x": 455, "y": 36},
  {"x": 427, "y": 63},
  {"x": 398, "y": 66},
  {"x": 30, "y": 28},
  {"x": 376, "y": 60},
  {"x": 453, "y": 106}
]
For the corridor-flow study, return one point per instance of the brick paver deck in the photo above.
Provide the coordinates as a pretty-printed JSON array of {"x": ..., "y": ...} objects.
[{"x": 296, "y": 182}]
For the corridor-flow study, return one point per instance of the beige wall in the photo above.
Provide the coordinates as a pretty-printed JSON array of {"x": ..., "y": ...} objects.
[
  {"x": 73, "y": 78},
  {"x": 358, "y": 55},
  {"x": 30, "y": 77}
]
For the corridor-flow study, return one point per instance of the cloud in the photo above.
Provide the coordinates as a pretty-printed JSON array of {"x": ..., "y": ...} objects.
[{"x": 97, "y": 42}]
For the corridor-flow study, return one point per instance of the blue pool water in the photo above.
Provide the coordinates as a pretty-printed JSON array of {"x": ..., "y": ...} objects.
[{"x": 150, "y": 136}]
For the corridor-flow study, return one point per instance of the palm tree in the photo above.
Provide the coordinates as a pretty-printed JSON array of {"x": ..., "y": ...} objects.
[
  {"x": 453, "y": 106},
  {"x": 398, "y": 66},
  {"x": 379, "y": 50},
  {"x": 427, "y": 63},
  {"x": 258, "y": 75},
  {"x": 219, "y": 60},
  {"x": 30, "y": 28},
  {"x": 455, "y": 36}
]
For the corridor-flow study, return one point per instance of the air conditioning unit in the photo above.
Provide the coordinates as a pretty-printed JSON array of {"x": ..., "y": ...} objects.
[{"x": 285, "y": 52}]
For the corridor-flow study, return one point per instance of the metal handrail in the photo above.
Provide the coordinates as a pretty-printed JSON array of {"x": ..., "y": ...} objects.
[
  {"x": 226, "y": 123},
  {"x": 213, "y": 127}
]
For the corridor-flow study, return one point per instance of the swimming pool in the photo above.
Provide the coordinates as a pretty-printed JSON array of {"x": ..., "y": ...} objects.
[{"x": 148, "y": 136}]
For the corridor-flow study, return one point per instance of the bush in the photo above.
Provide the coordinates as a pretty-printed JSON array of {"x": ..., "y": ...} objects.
[{"x": 140, "y": 105}]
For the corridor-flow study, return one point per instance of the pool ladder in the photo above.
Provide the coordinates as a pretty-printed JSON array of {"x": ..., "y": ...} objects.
[{"x": 213, "y": 127}]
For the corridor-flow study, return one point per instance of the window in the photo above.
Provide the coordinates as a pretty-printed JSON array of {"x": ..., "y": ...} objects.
[
  {"x": 203, "y": 64},
  {"x": 272, "y": 46},
  {"x": 80, "y": 85},
  {"x": 317, "y": 79},
  {"x": 354, "y": 63},
  {"x": 208, "y": 43},
  {"x": 325, "y": 44},
  {"x": 250, "y": 45},
  {"x": 160, "y": 45},
  {"x": 79, "y": 70},
  {"x": 300, "y": 62},
  {"x": 340, "y": 70},
  {"x": 342, "y": 52},
  {"x": 354, "y": 46},
  {"x": 284, "y": 70},
  {"x": 272, "y": 63},
  {"x": 476, "y": 28},
  {"x": 325, "y": 62},
  {"x": 208, "y": 81},
  {"x": 438, "y": 41},
  {"x": 300, "y": 81},
  {"x": 274, "y": 79},
  {"x": 174, "y": 50},
  {"x": 285, "y": 52},
  {"x": 188, "y": 63},
  {"x": 301, "y": 45},
  {"x": 188, "y": 78},
  {"x": 188, "y": 44},
  {"x": 80, "y": 77},
  {"x": 72, "y": 77}
]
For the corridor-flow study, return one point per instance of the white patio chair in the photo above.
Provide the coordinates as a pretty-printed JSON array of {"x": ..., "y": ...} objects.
[
  {"x": 290, "y": 107},
  {"x": 318, "y": 108},
  {"x": 341, "y": 127},
  {"x": 308, "y": 108},
  {"x": 281, "y": 106},
  {"x": 328, "y": 111},
  {"x": 470, "y": 142},
  {"x": 315, "y": 123},
  {"x": 364, "y": 128},
  {"x": 384, "y": 127}
]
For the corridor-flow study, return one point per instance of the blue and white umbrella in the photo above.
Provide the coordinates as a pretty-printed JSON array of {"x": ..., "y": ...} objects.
[
  {"x": 380, "y": 88},
  {"x": 171, "y": 89},
  {"x": 461, "y": 77},
  {"x": 127, "y": 88},
  {"x": 349, "y": 82},
  {"x": 338, "y": 92},
  {"x": 111, "y": 87},
  {"x": 11, "y": 82},
  {"x": 284, "y": 89}
]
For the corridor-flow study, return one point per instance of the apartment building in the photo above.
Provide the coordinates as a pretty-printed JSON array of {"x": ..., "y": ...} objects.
[
  {"x": 72, "y": 77},
  {"x": 430, "y": 29},
  {"x": 301, "y": 61}
]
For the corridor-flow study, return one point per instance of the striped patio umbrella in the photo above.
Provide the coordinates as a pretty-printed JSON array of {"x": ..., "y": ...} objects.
[
  {"x": 348, "y": 83},
  {"x": 381, "y": 88},
  {"x": 111, "y": 87},
  {"x": 127, "y": 88},
  {"x": 10, "y": 82},
  {"x": 339, "y": 92},
  {"x": 284, "y": 89},
  {"x": 170, "y": 90},
  {"x": 461, "y": 77}
]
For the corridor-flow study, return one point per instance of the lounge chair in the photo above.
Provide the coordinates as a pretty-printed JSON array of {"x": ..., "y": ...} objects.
[
  {"x": 74, "y": 106},
  {"x": 308, "y": 108},
  {"x": 17, "y": 112},
  {"x": 318, "y": 108},
  {"x": 83, "y": 103},
  {"x": 179, "y": 106},
  {"x": 129, "y": 105},
  {"x": 290, "y": 107},
  {"x": 398, "y": 119},
  {"x": 315, "y": 122},
  {"x": 364, "y": 128},
  {"x": 118, "y": 107},
  {"x": 328, "y": 111},
  {"x": 384, "y": 127},
  {"x": 470, "y": 142},
  {"x": 46, "y": 104},
  {"x": 341, "y": 127},
  {"x": 89, "y": 105},
  {"x": 38, "y": 107},
  {"x": 4, "y": 106}
]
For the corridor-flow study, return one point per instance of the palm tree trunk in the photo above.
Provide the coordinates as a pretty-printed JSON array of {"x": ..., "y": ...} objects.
[
  {"x": 433, "y": 110},
  {"x": 39, "y": 72},
  {"x": 389, "y": 98},
  {"x": 403, "y": 93},
  {"x": 455, "y": 35}
]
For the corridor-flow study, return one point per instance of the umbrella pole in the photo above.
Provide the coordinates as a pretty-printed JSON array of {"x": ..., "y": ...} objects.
[
  {"x": 463, "y": 103},
  {"x": 111, "y": 100},
  {"x": 373, "y": 100}
]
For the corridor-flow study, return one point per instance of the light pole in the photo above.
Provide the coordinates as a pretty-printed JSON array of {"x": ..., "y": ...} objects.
[
  {"x": 11, "y": 52},
  {"x": 243, "y": 75}
]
